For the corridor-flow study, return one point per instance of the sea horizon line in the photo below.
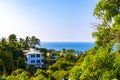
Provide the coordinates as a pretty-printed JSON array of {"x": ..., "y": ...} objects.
[{"x": 67, "y": 41}]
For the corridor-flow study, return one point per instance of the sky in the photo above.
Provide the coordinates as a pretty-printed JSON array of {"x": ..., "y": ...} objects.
[{"x": 48, "y": 20}]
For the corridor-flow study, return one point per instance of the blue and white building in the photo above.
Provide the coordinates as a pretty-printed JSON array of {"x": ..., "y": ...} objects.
[{"x": 34, "y": 57}]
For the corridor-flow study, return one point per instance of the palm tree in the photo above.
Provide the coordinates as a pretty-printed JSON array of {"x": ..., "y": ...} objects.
[
  {"x": 4, "y": 69},
  {"x": 21, "y": 43},
  {"x": 12, "y": 40},
  {"x": 3, "y": 43},
  {"x": 34, "y": 41},
  {"x": 27, "y": 42},
  {"x": 31, "y": 42}
]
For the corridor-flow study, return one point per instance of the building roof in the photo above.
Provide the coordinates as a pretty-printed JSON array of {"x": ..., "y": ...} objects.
[{"x": 33, "y": 51}]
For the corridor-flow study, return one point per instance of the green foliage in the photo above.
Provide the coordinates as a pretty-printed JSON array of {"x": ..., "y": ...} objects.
[
  {"x": 18, "y": 71},
  {"x": 39, "y": 71},
  {"x": 2, "y": 78},
  {"x": 40, "y": 75},
  {"x": 34, "y": 41},
  {"x": 42, "y": 50},
  {"x": 12, "y": 40},
  {"x": 57, "y": 53},
  {"x": 61, "y": 64},
  {"x": 70, "y": 57},
  {"x": 19, "y": 74},
  {"x": 31, "y": 69},
  {"x": 70, "y": 51},
  {"x": 107, "y": 9},
  {"x": 100, "y": 64},
  {"x": 50, "y": 74},
  {"x": 108, "y": 31},
  {"x": 64, "y": 50},
  {"x": 1, "y": 62},
  {"x": 31, "y": 42},
  {"x": 103, "y": 36},
  {"x": 6, "y": 61},
  {"x": 75, "y": 73},
  {"x": 21, "y": 63},
  {"x": 80, "y": 59},
  {"x": 11, "y": 54},
  {"x": 60, "y": 74}
]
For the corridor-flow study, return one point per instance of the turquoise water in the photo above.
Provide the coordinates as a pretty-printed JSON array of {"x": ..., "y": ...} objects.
[{"x": 78, "y": 46}]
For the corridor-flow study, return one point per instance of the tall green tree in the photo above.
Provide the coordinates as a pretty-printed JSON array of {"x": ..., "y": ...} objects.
[
  {"x": 101, "y": 63},
  {"x": 3, "y": 43},
  {"x": 6, "y": 61},
  {"x": 107, "y": 9},
  {"x": 34, "y": 41},
  {"x": 103, "y": 35},
  {"x": 108, "y": 30},
  {"x": 27, "y": 41},
  {"x": 12, "y": 40},
  {"x": 21, "y": 43}
]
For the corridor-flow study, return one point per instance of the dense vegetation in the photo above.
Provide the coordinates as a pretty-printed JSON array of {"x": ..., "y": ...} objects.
[
  {"x": 13, "y": 66},
  {"x": 11, "y": 52},
  {"x": 99, "y": 63},
  {"x": 103, "y": 61}
]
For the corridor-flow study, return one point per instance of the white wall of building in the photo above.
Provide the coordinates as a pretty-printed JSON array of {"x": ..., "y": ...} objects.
[{"x": 34, "y": 57}]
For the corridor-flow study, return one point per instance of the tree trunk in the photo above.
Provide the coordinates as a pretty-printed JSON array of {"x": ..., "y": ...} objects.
[{"x": 4, "y": 70}]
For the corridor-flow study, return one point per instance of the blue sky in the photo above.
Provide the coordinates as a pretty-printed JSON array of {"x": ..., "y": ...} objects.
[{"x": 49, "y": 20}]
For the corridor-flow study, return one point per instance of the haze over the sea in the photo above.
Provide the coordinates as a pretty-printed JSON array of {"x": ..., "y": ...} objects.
[{"x": 49, "y": 20}]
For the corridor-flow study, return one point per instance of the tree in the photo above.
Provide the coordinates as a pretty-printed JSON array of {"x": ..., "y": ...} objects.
[
  {"x": 70, "y": 57},
  {"x": 12, "y": 40},
  {"x": 34, "y": 41},
  {"x": 107, "y": 9},
  {"x": 108, "y": 12},
  {"x": 3, "y": 43},
  {"x": 75, "y": 73},
  {"x": 21, "y": 63},
  {"x": 19, "y": 74},
  {"x": 3, "y": 67},
  {"x": 12, "y": 56},
  {"x": 103, "y": 35},
  {"x": 59, "y": 75},
  {"x": 100, "y": 65},
  {"x": 71, "y": 51},
  {"x": 60, "y": 64},
  {"x": 21, "y": 43},
  {"x": 27, "y": 42},
  {"x": 42, "y": 50},
  {"x": 6, "y": 62}
]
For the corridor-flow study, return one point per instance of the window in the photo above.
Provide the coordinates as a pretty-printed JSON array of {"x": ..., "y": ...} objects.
[
  {"x": 32, "y": 61},
  {"x": 32, "y": 55},
  {"x": 38, "y": 61},
  {"x": 42, "y": 60},
  {"x": 53, "y": 57},
  {"x": 38, "y": 55}
]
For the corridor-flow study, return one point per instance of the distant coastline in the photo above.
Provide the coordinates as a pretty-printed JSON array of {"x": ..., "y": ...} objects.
[{"x": 78, "y": 46}]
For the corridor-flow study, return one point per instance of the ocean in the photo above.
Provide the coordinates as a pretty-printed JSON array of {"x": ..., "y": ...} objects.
[{"x": 78, "y": 46}]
